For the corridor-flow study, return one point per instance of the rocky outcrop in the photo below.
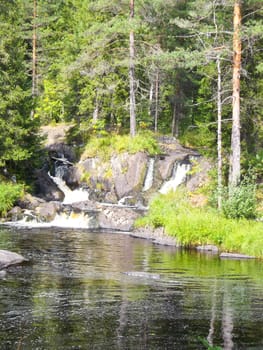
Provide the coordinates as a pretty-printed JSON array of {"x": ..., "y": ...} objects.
[
  {"x": 199, "y": 174},
  {"x": 128, "y": 173},
  {"x": 117, "y": 218},
  {"x": 118, "y": 182},
  {"x": 122, "y": 175},
  {"x": 118, "y": 178}
]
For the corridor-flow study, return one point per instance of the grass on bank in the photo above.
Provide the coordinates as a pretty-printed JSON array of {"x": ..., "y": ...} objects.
[
  {"x": 106, "y": 145},
  {"x": 9, "y": 193},
  {"x": 194, "y": 226}
]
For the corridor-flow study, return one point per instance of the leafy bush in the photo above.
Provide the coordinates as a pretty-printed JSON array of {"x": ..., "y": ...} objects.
[
  {"x": 240, "y": 201},
  {"x": 9, "y": 193}
]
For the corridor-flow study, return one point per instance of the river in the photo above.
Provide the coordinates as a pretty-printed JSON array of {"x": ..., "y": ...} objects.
[{"x": 102, "y": 290}]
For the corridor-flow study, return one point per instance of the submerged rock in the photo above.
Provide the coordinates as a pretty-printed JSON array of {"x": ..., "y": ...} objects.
[
  {"x": 142, "y": 274},
  {"x": 208, "y": 248},
  {"x": 156, "y": 235},
  {"x": 235, "y": 256},
  {"x": 8, "y": 258}
]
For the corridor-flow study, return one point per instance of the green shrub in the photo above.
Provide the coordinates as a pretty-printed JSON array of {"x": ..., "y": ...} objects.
[
  {"x": 9, "y": 193},
  {"x": 240, "y": 201}
]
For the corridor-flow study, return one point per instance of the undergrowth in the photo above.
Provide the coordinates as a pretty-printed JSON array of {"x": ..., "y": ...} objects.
[
  {"x": 105, "y": 146},
  {"x": 9, "y": 193},
  {"x": 193, "y": 226}
]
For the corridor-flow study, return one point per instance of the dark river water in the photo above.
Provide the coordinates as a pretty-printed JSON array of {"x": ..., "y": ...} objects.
[{"x": 88, "y": 290}]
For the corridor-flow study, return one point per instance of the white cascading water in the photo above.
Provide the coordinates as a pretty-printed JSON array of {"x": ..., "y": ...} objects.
[
  {"x": 178, "y": 177},
  {"x": 72, "y": 220},
  {"x": 149, "y": 176},
  {"x": 74, "y": 196}
]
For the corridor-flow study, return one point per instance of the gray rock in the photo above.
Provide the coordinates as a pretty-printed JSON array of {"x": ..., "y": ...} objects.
[
  {"x": 47, "y": 211},
  {"x": 156, "y": 235},
  {"x": 235, "y": 256},
  {"x": 117, "y": 218},
  {"x": 15, "y": 214},
  {"x": 8, "y": 258},
  {"x": 199, "y": 174},
  {"x": 129, "y": 173},
  {"x": 208, "y": 248},
  {"x": 29, "y": 202}
]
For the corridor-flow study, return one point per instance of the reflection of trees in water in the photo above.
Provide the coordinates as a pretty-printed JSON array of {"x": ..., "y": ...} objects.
[
  {"x": 227, "y": 323},
  {"x": 75, "y": 294}
]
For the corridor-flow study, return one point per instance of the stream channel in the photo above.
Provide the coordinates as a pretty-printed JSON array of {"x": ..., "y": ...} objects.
[{"x": 106, "y": 290}]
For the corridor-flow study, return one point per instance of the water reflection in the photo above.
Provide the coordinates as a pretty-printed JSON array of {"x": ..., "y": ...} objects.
[{"x": 75, "y": 295}]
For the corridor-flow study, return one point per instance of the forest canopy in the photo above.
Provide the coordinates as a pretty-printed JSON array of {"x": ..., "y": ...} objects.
[{"x": 73, "y": 61}]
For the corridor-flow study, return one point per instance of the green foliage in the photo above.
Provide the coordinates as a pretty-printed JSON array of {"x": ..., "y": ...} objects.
[
  {"x": 208, "y": 346},
  {"x": 50, "y": 105},
  {"x": 240, "y": 201},
  {"x": 256, "y": 164},
  {"x": 18, "y": 132},
  {"x": 9, "y": 193},
  {"x": 193, "y": 226},
  {"x": 105, "y": 146},
  {"x": 83, "y": 70}
]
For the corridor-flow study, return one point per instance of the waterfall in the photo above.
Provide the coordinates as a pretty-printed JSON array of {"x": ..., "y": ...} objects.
[
  {"x": 71, "y": 196},
  {"x": 180, "y": 171},
  {"x": 74, "y": 196},
  {"x": 80, "y": 220},
  {"x": 149, "y": 176},
  {"x": 75, "y": 220}
]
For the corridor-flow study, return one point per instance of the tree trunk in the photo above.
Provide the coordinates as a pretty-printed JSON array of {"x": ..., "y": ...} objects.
[
  {"x": 151, "y": 99},
  {"x": 156, "y": 113},
  {"x": 175, "y": 120},
  {"x": 132, "y": 76},
  {"x": 219, "y": 135},
  {"x": 177, "y": 111},
  {"x": 234, "y": 174},
  {"x": 95, "y": 115},
  {"x": 34, "y": 51}
]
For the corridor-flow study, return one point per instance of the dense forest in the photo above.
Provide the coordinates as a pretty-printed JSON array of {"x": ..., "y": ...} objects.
[{"x": 183, "y": 68}]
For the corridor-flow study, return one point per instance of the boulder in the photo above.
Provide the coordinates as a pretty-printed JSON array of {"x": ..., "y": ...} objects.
[
  {"x": 8, "y": 258},
  {"x": 47, "y": 211},
  {"x": 165, "y": 164},
  {"x": 117, "y": 218},
  {"x": 129, "y": 171},
  {"x": 121, "y": 176},
  {"x": 15, "y": 214},
  {"x": 29, "y": 202}
]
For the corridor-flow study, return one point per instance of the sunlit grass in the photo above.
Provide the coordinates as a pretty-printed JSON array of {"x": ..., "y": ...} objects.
[
  {"x": 107, "y": 145},
  {"x": 193, "y": 226}
]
